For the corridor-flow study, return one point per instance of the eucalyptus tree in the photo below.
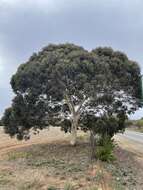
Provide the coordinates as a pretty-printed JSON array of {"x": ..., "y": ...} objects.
[{"x": 65, "y": 85}]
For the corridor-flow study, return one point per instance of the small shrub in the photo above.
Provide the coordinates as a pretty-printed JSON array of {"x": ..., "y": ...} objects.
[
  {"x": 18, "y": 155},
  {"x": 31, "y": 185},
  {"x": 129, "y": 123},
  {"x": 51, "y": 188},
  {"x": 68, "y": 186},
  {"x": 5, "y": 177},
  {"x": 104, "y": 150},
  {"x": 1, "y": 122},
  {"x": 93, "y": 188},
  {"x": 139, "y": 123},
  {"x": 4, "y": 181}
]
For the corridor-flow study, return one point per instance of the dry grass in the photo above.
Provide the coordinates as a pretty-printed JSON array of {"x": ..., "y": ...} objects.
[
  {"x": 48, "y": 161},
  {"x": 45, "y": 161},
  {"x": 52, "y": 165}
]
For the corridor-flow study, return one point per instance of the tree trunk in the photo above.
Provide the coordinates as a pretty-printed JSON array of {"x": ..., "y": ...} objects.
[
  {"x": 92, "y": 144},
  {"x": 73, "y": 132},
  {"x": 75, "y": 118}
]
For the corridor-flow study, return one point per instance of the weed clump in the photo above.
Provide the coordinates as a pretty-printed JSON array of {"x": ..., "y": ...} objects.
[
  {"x": 68, "y": 186},
  {"x": 104, "y": 151},
  {"x": 51, "y": 188}
]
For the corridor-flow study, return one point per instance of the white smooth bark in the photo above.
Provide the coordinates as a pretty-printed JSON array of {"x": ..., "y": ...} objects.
[
  {"x": 74, "y": 119},
  {"x": 73, "y": 135},
  {"x": 74, "y": 126}
]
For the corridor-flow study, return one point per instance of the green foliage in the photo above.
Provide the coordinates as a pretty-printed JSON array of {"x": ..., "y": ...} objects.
[
  {"x": 123, "y": 69},
  {"x": 55, "y": 80},
  {"x": 105, "y": 124},
  {"x": 30, "y": 185},
  {"x": 57, "y": 164},
  {"x": 129, "y": 123},
  {"x": 1, "y": 122},
  {"x": 139, "y": 123},
  {"x": 92, "y": 188},
  {"x": 19, "y": 155},
  {"x": 105, "y": 148},
  {"x": 25, "y": 113},
  {"x": 51, "y": 188},
  {"x": 4, "y": 180},
  {"x": 68, "y": 186}
]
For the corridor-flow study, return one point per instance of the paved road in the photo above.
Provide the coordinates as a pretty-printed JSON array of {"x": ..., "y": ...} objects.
[
  {"x": 135, "y": 136},
  {"x": 132, "y": 141}
]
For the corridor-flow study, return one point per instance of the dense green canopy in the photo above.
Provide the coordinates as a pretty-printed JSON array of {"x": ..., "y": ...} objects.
[
  {"x": 68, "y": 66},
  {"x": 123, "y": 69},
  {"x": 62, "y": 84}
]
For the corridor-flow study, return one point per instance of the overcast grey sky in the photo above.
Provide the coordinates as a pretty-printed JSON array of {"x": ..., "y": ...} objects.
[{"x": 28, "y": 25}]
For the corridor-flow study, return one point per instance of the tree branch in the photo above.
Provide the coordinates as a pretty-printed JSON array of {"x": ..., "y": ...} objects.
[
  {"x": 80, "y": 105},
  {"x": 70, "y": 104}
]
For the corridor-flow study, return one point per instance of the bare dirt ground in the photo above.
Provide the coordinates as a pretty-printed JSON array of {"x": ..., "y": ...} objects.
[
  {"x": 130, "y": 156},
  {"x": 8, "y": 144},
  {"x": 47, "y": 160}
]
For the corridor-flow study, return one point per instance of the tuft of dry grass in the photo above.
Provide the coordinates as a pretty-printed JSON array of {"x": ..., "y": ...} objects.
[
  {"x": 18, "y": 155},
  {"x": 30, "y": 185},
  {"x": 68, "y": 186}
]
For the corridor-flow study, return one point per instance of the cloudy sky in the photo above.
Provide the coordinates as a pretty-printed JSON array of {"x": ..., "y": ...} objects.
[{"x": 28, "y": 25}]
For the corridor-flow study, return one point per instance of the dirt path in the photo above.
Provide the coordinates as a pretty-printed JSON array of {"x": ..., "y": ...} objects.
[{"x": 7, "y": 144}]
